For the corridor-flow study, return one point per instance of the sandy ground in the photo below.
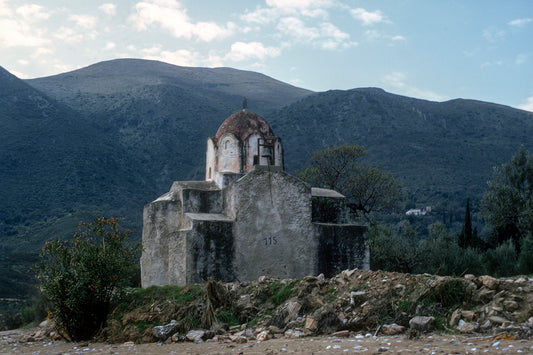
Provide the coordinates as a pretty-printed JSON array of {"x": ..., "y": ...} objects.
[{"x": 430, "y": 344}]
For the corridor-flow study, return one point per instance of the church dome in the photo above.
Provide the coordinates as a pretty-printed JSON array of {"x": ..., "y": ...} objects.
[{"x": 244, "y": 123}]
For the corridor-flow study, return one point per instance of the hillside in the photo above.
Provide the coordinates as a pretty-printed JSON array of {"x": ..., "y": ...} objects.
[
  {"x": 55, "y": 169},
  {"x": 111, "y": 137},
  {"x": 442, "y": 151}
]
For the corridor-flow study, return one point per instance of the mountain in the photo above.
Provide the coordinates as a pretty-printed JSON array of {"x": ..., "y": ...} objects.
[
  {"x": 162, "y": 113},
  {"x": 109, "y": 138},
  {"x": 441, "y": 151},
  {"x": 107, "y": 85}
]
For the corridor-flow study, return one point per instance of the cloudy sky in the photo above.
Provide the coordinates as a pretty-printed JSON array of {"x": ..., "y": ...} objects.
[{"x": 431, "y": 49}]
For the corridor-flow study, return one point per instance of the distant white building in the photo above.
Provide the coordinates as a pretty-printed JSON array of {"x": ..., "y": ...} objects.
[{"x": 418, "y": 211}]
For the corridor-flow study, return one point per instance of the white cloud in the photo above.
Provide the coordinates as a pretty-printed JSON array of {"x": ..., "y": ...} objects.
[
  {"x": 15, "y": 33},
  {"x": 109, "y": 46},
  {"x": 39, "y": 52},
  {"x": 23, "y": 62},
  {"x": 521, "y": 58},
  {"x": 286, "y": 8},
  {"x": 495, "y": 63},
  {"x": 170, "y": 15},
  {"x": 372, "y": 35},
  {"x": 528, "y": 106},
  {"x": 334, "y": 38},
  {"x": 17, "y": 26},
  {"x": 368, "y": 18},
  {"x": 85, "y": 21},
  {"x": 493, "y": 34},
  {"x": 309, "y": 8},
  {"x": 294, "y": 27},
  {"x": 68, "y": 35},
  {"x": 108, "y": 8},
  {"x": 32, "y": 13},
  {"x": 252, "y": 50},
  {"x": 396, "y": 79},
  {"x": 325, "y": 35},
  {"x": 5, "y": 10},
  {"x": 398, "y": 38},
  {"x": 181, "y": 57},
  {"x": 521, "y": 22},
  {"x": 152, "y": 50},
  {"x": 396, "y": 82}
]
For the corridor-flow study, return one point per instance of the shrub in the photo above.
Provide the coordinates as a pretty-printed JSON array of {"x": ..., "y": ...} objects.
[
  {"x": 501, "y": 261},
  {"x": 83, "y": 277}
]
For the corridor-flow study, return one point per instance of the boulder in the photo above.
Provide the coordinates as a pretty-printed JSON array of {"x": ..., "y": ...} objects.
[
  {"x": 328, "y": 320},
  {"x": 484, "y": 295},
  {"x": 341, "y": 334},
  {"x": 468, "y": 316},
  {"x": 311, "y": 324},
  {"x": 274, "y": 330},
  {"x": 294, "y": 334},
  {"x": 392, "y": 329},
  {"x": 238, "y": 339},
  {"x": 489, "y": 282},
  {"x": 422, "y": 324},
  {"x": 510, "y": 305},
  {"x": 497, "y": 319},
  {"x": 357, "y": 297},
  {"x": 195, "y": 335},
  {"x": 456, "y": 317},
  {"x": 264, "y": 335},
  {"x": 465, "y": 327},
  {"x": 163, "y": 332}
]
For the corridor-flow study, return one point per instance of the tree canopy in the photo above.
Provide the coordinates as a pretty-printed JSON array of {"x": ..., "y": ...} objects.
[
  {"x": 367, "y": 188},
  {"x": 508, "y": 203}
]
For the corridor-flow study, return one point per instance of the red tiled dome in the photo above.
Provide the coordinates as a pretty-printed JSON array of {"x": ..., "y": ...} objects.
[{"x": 244, "y": 123}]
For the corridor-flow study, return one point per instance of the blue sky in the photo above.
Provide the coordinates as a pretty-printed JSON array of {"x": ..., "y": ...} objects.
[{"x": 431, "y": 49}]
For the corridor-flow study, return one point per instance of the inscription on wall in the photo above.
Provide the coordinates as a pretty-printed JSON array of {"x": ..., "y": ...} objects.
[{"x": 270, "y": 241}]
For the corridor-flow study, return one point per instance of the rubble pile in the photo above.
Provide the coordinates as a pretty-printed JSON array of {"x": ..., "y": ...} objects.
[{"x": 359, "y": 302}]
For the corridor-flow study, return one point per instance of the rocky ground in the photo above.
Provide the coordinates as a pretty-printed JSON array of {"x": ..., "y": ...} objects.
[
  {"x": 15, "y": 342},
  {"x": 356, "y": 311}
]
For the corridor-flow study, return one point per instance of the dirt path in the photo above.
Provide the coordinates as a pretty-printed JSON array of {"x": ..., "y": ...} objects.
[{"x": 430, "y": 344}]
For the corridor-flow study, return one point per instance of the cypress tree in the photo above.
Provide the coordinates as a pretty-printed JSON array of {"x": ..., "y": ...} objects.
[
  {"x": 468, "y": 226},
  {"x": 465, "y": 238}
]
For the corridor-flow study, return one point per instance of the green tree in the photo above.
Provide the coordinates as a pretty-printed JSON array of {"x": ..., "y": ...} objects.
[
  {"x": 368, "y": 189},
  {"x": 82, "y": 277},
  {"x": 468, "y": 238},
  {"x": 525, "y": 259},
  {"x": 390, "y": 251},
  {"x": 508, "y": 203},
  {"x": 441, "y": 255}
]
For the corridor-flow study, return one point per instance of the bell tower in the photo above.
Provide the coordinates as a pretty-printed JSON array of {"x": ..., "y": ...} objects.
[{"x": 243, "y": 140}]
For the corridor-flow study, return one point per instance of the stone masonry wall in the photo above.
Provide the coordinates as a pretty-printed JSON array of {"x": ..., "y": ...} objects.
[
  {"x": 273, "y": 230},
  {"x": 341, "y": 247}
]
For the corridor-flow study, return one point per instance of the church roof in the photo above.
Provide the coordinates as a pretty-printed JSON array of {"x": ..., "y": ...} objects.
[{"x": 244, "y": 123}]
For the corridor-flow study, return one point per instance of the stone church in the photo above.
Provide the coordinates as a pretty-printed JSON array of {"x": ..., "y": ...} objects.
[{"x": 248, "y": 218}]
